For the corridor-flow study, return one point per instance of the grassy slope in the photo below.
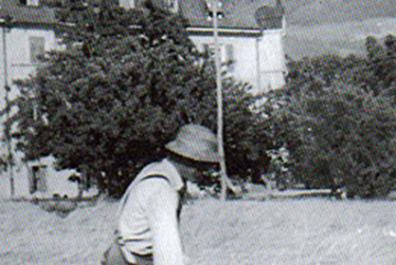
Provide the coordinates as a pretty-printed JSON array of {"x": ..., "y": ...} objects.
[
  {"x": 300, "y": 232},
  {"x": 315, "y": 12},
  {"x": 336, "y": 26}
]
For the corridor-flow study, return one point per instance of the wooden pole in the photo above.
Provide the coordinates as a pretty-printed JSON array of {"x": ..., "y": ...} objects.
[
  {"x": 225, "y": 181},
  {"x": 219, "y": 92}
]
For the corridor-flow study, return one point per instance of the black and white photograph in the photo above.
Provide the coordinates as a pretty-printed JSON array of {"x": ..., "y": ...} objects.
[{"x": 198, "y": 132}]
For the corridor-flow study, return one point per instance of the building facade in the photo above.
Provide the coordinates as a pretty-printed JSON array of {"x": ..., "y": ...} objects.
[
  {"x": 250, "y": 36},
  {"x": 27, "y": 32}
]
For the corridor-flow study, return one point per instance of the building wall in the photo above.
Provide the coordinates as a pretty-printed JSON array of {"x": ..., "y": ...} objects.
[
  {"x": 243, "y": 52},
  {"x": 20, "y": 65},
  {"x": 258, "y": 61},
  {"x": 272, "y": 60},
  {"x": 54, "y": 182},
  {"x": 18, "y": 55}
]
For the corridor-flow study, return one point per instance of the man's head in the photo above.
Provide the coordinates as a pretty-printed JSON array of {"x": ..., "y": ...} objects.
[{"x": 194, "y": 150}]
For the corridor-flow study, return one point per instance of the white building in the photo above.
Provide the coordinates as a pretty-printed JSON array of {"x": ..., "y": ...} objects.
[
  {"x": 27, "y": 31},
  {"x": 250, "y": 35}
]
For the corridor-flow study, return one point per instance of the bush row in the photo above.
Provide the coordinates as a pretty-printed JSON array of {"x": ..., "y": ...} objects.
[{"x": 337, "y": 119}]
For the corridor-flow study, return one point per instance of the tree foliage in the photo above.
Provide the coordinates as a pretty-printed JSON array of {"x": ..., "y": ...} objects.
[
  {"x": 108, "y": 106},
  {"x": 337, "y": 118}
]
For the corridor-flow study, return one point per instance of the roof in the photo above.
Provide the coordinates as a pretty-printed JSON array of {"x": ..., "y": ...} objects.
[
  {"x": 21, "y": 14},
  {"x": 238, "y": 14}
]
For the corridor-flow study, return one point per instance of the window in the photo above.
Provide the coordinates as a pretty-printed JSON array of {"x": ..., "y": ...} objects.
[
  {"x": 209, "y": 9},
  {"x": 38, "y": 179},
  {"x": 37, "y": 48},
  {"x": 229, "y": 56},
  {"x": 127, "y": 4},
  {"x": 173, "y": 5},
  {"x": 33, "y": 2},
  {"x": 226, "y": 54},
  {"x": 29, "y": 2},
  {"x": 207, "y": 50}
]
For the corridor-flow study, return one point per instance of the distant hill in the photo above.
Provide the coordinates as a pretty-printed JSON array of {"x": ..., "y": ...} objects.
[
  {"x": 317, "y": 12},
  {"x": 317, "y": 27}
]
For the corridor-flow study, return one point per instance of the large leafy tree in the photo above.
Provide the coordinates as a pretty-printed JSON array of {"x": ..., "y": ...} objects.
[
  {"x": 108, "y": 104},
  {"x": 337, "y": 118}
]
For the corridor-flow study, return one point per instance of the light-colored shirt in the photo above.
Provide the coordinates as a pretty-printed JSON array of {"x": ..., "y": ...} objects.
[{"x": 148, "y": 221}]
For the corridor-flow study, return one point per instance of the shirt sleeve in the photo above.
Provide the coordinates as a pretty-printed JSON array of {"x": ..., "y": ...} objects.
[{"x": 162, "y": 207}]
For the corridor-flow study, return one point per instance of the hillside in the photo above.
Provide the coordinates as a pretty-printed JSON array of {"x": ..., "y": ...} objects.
[
  {"x": 317, "y": 12},
  {"x": 336, "y": 38},
  {"x": 317, "y": 27},
  {"x": 298, "y": 232}
]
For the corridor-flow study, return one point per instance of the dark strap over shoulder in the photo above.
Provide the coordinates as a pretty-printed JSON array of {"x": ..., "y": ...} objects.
[{"x": 181, "y": 193}]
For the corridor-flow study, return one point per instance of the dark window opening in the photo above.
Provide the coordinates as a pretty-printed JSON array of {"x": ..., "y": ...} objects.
[{"x": 38, "y": 179}]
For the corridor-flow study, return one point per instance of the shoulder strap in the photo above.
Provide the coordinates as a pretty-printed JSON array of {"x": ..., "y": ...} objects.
[
  {"x": 125, "y": 199},
  {"x": 181, "y": 193}
]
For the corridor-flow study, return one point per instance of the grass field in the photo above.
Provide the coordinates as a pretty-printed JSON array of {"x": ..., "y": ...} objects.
[{"x": 287, "y": 232}]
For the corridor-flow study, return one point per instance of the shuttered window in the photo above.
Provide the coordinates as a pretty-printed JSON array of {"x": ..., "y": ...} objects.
[
  {"x": 127, "y": 4},
  {"x": 173, "y": 5},
  {"x": 37, "y": 48},
  {"x": 29, "y": 2},
  {"x": 33, "y": 2},
  {"x": 226, "y": 54},
  {"x": 230, "y": 60},
  {"x": 38, "y": 179}
]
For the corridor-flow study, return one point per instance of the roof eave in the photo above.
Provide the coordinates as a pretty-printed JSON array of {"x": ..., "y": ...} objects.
[
  {"x": 48, "y": 25},
  {"x": 200, "y": 30}
]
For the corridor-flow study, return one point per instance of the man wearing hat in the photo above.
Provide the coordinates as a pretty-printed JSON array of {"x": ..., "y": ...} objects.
[{"x": 147, "y": 230}]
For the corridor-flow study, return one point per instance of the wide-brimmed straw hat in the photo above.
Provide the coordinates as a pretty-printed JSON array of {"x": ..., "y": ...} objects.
[{"x": 195, "y": 142}]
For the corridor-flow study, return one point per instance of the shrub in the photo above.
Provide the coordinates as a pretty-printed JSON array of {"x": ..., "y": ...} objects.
[{"x": 339, "y": 126}]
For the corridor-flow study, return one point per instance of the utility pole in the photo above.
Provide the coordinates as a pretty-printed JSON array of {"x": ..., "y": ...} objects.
[
  {"x": 225, "y": 181},
  {"x": 220, "y": 144},
  {"x": 7, "y": 132}
]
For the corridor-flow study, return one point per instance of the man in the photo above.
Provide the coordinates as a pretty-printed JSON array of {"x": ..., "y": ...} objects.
[{"x": 147, "y": 231}]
